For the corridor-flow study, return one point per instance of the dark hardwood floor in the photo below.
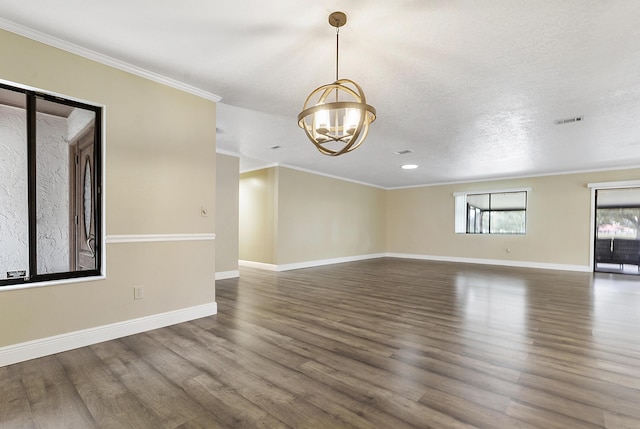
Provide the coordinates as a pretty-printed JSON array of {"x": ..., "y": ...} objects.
[{"x": 385, "y": 343}]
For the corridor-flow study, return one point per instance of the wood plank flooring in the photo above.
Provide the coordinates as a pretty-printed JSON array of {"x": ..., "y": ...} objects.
[{"x": 384, "y": 343}]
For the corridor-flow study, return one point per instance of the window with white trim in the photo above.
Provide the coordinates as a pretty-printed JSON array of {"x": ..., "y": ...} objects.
[
  {"x": 50, "y": 187},
  {"x": 495, "y": 212}
]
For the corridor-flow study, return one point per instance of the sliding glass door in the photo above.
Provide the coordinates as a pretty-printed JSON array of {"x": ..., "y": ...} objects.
[{"x": 617, "y": 234}]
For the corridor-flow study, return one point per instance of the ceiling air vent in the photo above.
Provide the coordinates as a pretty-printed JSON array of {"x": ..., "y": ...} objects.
[
  {"x": 568, "y": 120},
  {"x": 403, "y": 152}
]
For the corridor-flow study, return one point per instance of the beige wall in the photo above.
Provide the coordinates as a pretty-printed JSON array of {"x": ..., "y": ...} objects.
[
  {"x": 421, "y": 220},
  {"x": 289, "y": 216},
  {"x": 258, "y": 205},
  {"x": 160, "y": 167},
  {"x": 323, "y": 218},
  {"x": 299, "y": 217},
  {"x": 227, "y": 216}
]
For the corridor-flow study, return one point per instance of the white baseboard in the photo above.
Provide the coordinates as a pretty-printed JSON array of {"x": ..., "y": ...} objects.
[
  {"x": 500, "y": 262},
  {"x": 308, "y": 264},
  {"x": 258, "y": 265},
  {"x": 222, "y": 275},
  {"x": 320, "y": 262},
  {"x": 73, "y": 340}
]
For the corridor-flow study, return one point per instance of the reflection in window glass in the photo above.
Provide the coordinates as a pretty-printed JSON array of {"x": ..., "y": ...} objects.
[
  {"x": 14, "y": 209},
  {"x": 60, "y": 190},
  {"x": 49, "y": 187},
  {"x": 507, "y": 222},
  {"x": 618, "y": 213},
  {"x": 52, "y": 187},
  {"x": 617, "y": 241},
  {"x": 495, "y": 213}
]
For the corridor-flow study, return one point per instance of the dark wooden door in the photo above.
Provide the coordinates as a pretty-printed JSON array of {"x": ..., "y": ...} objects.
[{"x": 84, "y": 196}]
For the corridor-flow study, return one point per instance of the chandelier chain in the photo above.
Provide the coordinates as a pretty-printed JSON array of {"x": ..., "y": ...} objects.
[{"x": 337, "y": 50}]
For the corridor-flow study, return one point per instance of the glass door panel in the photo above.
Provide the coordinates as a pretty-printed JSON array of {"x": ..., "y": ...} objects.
[{"x": 617, "y": 247}]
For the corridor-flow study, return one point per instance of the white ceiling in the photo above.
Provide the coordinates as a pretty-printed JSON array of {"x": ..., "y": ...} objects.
[{"x": 472, "y": 87}]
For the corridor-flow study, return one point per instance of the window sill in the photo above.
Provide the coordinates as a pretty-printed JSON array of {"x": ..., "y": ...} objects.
[{"x": 52, "y": 283}]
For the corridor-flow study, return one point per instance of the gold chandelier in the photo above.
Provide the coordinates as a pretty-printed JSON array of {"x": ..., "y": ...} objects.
[{"x": 336, "y": 116}]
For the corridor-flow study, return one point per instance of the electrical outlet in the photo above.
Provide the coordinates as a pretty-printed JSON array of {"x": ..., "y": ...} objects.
[{"x": 138, "y": 292}]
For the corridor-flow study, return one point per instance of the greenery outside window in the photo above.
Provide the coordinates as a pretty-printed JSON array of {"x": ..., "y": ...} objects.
[
  {"x": 495, "y": 212},
  {"x": 618, "y": 213}
]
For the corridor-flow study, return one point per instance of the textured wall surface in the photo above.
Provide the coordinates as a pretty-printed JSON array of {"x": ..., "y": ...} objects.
[
  {"x": 13, "y": 191},
  {"x": 52, "y": 194},
  {"x": 77, "y": 121},
  {"x": 52, "y": 184}
]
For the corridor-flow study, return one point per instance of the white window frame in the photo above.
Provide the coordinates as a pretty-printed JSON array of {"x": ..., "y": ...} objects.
[
  {"x": 102, "y": 274},
  {"x": 460, "y": 204}
]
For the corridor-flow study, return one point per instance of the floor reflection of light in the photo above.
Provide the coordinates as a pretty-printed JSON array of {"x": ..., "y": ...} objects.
[
  {"x": 498, "y": 302},
  {"x": 616, "y": 304}
]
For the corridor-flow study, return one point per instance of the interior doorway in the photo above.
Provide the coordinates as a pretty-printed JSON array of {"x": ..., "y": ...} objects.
[{"x": 617, "y": 230}]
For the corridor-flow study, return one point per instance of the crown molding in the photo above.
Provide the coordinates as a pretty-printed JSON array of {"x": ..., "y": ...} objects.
[
  {"x": 526, "y": 176},
  {"x": 227, "y": 152},
  {"x": 104, "y": 59}
]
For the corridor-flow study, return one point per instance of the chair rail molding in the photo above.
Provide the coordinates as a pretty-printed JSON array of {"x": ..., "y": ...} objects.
[{"x": 146, "y": 238}]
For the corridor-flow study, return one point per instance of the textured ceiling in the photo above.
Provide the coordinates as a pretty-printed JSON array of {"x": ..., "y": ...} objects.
[{"x": 472, "y": 88}]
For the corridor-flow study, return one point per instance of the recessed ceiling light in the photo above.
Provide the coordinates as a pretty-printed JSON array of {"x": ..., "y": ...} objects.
[
  {"x": 403, "y": 152},
  {"x": 275, "y": 147},
  {"x": 409, "y": 166}
]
